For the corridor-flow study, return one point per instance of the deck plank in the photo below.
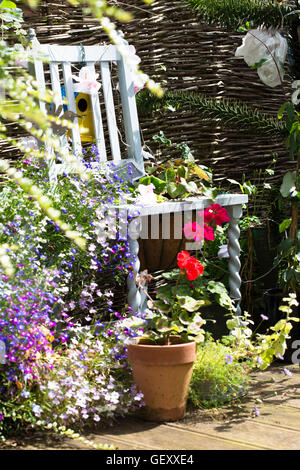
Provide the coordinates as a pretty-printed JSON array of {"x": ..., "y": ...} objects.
[{"x": 232, "y": 427}]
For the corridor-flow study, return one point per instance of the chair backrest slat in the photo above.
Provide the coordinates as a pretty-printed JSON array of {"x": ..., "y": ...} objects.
[
  {"x": 40, "y": 78},
  {"x": 130, "y": 116},
  {"x": 58, "y": 101},
  {"x": 65, "y": 61},
  {"x": 110, "y": 111},
  {"x": 69, "y": 90},
  {"x": 97, "y": 120}
]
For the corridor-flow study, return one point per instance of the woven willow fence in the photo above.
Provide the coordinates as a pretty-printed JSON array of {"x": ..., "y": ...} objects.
[{"x": 182, "y": 54}]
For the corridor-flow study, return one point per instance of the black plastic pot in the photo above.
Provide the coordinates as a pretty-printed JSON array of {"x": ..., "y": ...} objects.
[
  {"x": 216, "y": 319},
  {"x": 265, "y": 246}
]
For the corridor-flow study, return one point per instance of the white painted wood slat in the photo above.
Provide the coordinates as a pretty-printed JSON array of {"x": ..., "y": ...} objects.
[
  {"x": 73, "y": 54},
  {"x": 110, "y": 111},
  {"x": 69, "y": 89},
  {"x": 40, "y": 78},
  {"x": 58, "y": 100},
  {"x": 130, "y": 116},
  {"x": 98, "y": 124}
]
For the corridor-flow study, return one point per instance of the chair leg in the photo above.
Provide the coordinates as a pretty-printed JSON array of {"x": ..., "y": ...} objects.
[
  {"x": 234, "y": 264},
  {"x": 134, "y": 295}
]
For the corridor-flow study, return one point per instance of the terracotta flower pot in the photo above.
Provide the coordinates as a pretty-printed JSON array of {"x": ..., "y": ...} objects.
[{"x": 163, "y": 375}]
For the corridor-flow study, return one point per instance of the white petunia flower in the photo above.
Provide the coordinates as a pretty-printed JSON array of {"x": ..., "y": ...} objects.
[
  {"x": 223, "y": 252},
  {"x": 146, "y": 196}
]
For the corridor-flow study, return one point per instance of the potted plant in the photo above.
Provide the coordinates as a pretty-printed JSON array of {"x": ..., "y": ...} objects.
[
  {"x": 177, "y": 177},
  {"x": 162, "y": 359}
]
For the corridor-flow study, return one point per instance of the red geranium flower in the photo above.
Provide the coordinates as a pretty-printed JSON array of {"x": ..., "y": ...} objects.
[
  {"x": 182, "y": 259},
  {"x": 194, "y": 269}
]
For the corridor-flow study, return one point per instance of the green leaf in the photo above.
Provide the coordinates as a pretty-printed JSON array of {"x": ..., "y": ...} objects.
[
  {"x": 165, "y": 293},
  {"x": 189, "y": 187},
  {"x": 220, "y": 290},
  {"x": 159, "y": 184},
  {"x": 287, "y": 275},
  {"x": 199, "y": 338},
  {"x": 189, "y": 303},
  {"x": 171, "y": 275},
  {"x": 174, "y": 190},
  {"x": 284, "y": 225},
  {"x": 162, "y": 139},
  {"x": 170, "y": 174},
  {"x": 8, "y": 4},
  {"x": 286, "y": 245},
  {"x": 146, "y": 180},
  {"x": 182, "y": 171},
  {"x": 258, "y": 64},
  {"x": 162, "y": 306},
  {"x": 163, "y": 326}
]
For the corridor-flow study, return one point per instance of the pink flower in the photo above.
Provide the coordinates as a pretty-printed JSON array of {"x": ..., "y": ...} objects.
[
  {"x": 208, "y": 232},
  {"x": 216, "y": 214},
  {"x": 193, "y": 231}
]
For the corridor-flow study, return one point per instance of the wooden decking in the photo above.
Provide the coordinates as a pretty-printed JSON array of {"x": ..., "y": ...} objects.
[{"x": 234, "y": 427}]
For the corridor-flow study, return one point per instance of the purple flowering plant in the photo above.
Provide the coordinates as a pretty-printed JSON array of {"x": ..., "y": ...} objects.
[{"x": 64, "y": 359}]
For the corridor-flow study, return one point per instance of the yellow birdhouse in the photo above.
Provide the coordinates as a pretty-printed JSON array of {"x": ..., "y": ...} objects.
[{"x": 85, "y": 119}]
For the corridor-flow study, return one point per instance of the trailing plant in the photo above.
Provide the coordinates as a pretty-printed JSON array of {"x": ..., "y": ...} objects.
[
  {"x": 180, "y": 177},
  {"x": 217, "y": 378},
  {"x": 260, "y": 350}
]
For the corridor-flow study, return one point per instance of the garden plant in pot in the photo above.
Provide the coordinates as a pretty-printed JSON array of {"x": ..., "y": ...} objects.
[{"x": 162, "y": 359}]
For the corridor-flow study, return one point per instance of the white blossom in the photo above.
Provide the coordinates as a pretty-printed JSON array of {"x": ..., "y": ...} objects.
[{"x": 146, "y": 194}]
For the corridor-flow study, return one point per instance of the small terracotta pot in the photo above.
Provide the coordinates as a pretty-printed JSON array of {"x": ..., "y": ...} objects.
[{"x": 163, "y": 375}]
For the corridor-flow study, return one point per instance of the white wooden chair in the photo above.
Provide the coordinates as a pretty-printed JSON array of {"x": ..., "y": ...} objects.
[{"x": 61, "y": 59}]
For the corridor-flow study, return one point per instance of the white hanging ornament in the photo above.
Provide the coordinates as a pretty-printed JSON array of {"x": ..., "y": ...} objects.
[
  {"x": 268, "y": 49},
  {"x": 87, "y": 81}
]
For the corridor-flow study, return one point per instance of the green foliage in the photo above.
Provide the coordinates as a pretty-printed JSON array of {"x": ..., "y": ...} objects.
[
  {"x": 235, "y": 13},
  {"x": 216, "y": 377},
  {"x": 232, "y": 112},
  {"x": 180, "y": 177},
  {"x": 260, "y": 350}
]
